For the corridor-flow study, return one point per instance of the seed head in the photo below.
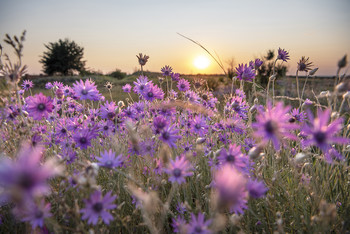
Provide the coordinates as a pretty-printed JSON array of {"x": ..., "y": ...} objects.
[{"x": 142, "y": 59}]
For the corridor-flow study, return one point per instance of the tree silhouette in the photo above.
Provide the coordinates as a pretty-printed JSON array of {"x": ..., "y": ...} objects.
[{"x": 63, "y": 57}]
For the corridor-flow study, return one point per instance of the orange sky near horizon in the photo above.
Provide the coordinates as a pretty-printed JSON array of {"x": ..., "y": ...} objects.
[{"x": 114, "y": 32}]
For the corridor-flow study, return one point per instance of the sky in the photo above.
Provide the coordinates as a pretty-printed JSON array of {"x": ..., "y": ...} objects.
[{"x": 112, "y": 33}]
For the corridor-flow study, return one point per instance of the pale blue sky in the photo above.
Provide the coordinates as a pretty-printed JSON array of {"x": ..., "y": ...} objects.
[{"x": 113, "y": 32}]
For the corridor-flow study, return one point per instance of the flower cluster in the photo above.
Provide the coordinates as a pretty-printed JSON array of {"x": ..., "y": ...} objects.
[{"x": 167, "y": 153}]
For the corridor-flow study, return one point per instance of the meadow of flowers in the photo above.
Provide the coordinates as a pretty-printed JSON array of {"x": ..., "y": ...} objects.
[{"x": 173, "y": 161}]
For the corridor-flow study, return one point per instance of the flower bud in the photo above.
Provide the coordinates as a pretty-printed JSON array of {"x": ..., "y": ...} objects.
[
  {"x": 313, "y": 71},
  {"x": 334, "y": 115},
  {"x": 273, "y": 77},
  {"x": 346, "y": 95},
  {"x": 200, "y": 140},
  {"x": 121, "y": 104},
  {"x": 342, "y": 63},
  {"x": 299, "y": 157},
  {"x": 343, "y": 87},
  {"x": 254, "y": 152}
]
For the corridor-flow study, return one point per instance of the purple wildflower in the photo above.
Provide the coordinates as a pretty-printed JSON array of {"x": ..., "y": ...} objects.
[
  {"x": 230, "y": 185},
  {"x": 27, "y": 84},
  {"x": 107, "y": 111},
  {"x": 240, "y": 93},
  {"x": 27, "y": 176},
  {"x": 147, "y": 147},
  {"x": 96, "y": 206},
  {"x": 127, "y": 88},
  {"x": 107, "y": 127},
  {"x": 48, "y": 85},
  {"x": 249, "y": 143},
  {"x": 297, "y": 115},
  {"x": 179, "y": 169},
  {"x": 273, "y": 124},
  {"x": 183, "y": 85},
  {"x": 245, "y": 72},
  {"x": 83, "y": 138},
  {"x": 187, "y": 147},
  {"x": 256, "y": 189},
  {"x": 153, "y": 92},
  {"x": 199, "y": 126},
  {"x": 175, "y": 76},
  {"x": 258, "y": 63},
  {"x": 34, "y": 214},
  {"x": 61, "y": 130},
  {"x": 283, "y": 55},
  {"x": 235, "y": 124},
  {"x": 166, "y": 70},
  {"x": 178, "y": 224},
  {"x": 199, "y": 225},
  {"x": 58, "y": 84},
  {"x": 129, "y": 112},
  {"x": 86, "y": 90},
  {"x": 67, "y": 90},
  {"x": 238, "y": 105},
  {"x": 169, "y": 136},
  {"x": 142, "y": 85},
  {"x": 192, "y": 96},
  {"x": 39, "y": 106},
  {"x": 181, "y": 208},
  {"x": 234, "y": 157},
  {"x": 159, "y": 123},
  {"x": 109, "y": 160},
  {"x": 322, "y": 134}
]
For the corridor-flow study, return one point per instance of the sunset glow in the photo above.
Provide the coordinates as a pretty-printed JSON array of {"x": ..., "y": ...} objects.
[{"x": 201, "y": 62}]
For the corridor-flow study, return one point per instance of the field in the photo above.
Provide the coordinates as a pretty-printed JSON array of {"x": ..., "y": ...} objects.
[{"x": 165, "y": 153}]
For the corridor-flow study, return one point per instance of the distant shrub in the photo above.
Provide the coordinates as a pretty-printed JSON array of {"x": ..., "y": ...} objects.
[
  {"x": 91, "y": 72},
  {"x": 118, "y": 74}
]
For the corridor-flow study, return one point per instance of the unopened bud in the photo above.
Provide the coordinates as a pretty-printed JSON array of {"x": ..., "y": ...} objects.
[
  {"x": 217, "y": 153},
  {"x": 342, "y": 63},
  {"x": 253, "y": 108},
  {"x": 200, "y": 140},
  {"x": 324, "y": 94},
  {"x": 299, "y": 157},
  {"x": 273, "y": 77},
  {"x": 121, "y": 104},
  {"x": 254, "y": 152},
  {"x": 335, "y": 115},
  {"x": 313, "y": 71}
]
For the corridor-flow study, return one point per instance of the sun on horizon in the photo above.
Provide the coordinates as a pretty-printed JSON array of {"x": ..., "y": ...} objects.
[{"x": 201, "y": 62}]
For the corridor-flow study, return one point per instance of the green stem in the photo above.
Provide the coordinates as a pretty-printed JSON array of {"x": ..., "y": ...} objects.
[{"x": 297, "y": 79}]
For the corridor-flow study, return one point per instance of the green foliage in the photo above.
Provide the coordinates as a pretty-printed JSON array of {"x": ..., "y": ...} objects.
[
  {"x": 118, "y": 74},
  {"x": 266, "y": 69},
  {"x": 63, "y": 57}
]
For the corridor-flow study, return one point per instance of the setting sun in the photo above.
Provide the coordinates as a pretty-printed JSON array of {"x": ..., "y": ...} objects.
[{"x": 201, "y": 62}]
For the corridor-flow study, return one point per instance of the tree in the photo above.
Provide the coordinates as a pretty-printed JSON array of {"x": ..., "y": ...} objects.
[{"x": 63, "y": 57}]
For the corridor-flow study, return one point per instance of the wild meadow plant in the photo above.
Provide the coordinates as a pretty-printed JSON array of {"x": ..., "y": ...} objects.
[{"x": 172, "y": 161}]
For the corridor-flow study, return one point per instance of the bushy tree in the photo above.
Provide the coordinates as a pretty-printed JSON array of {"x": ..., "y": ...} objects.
[
  {"x": 63, "y": 57},
  {"x": 118, "y": 74}
]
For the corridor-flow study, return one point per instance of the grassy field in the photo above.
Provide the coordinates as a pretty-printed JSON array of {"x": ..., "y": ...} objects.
[{"x": 304, "y": 192}]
